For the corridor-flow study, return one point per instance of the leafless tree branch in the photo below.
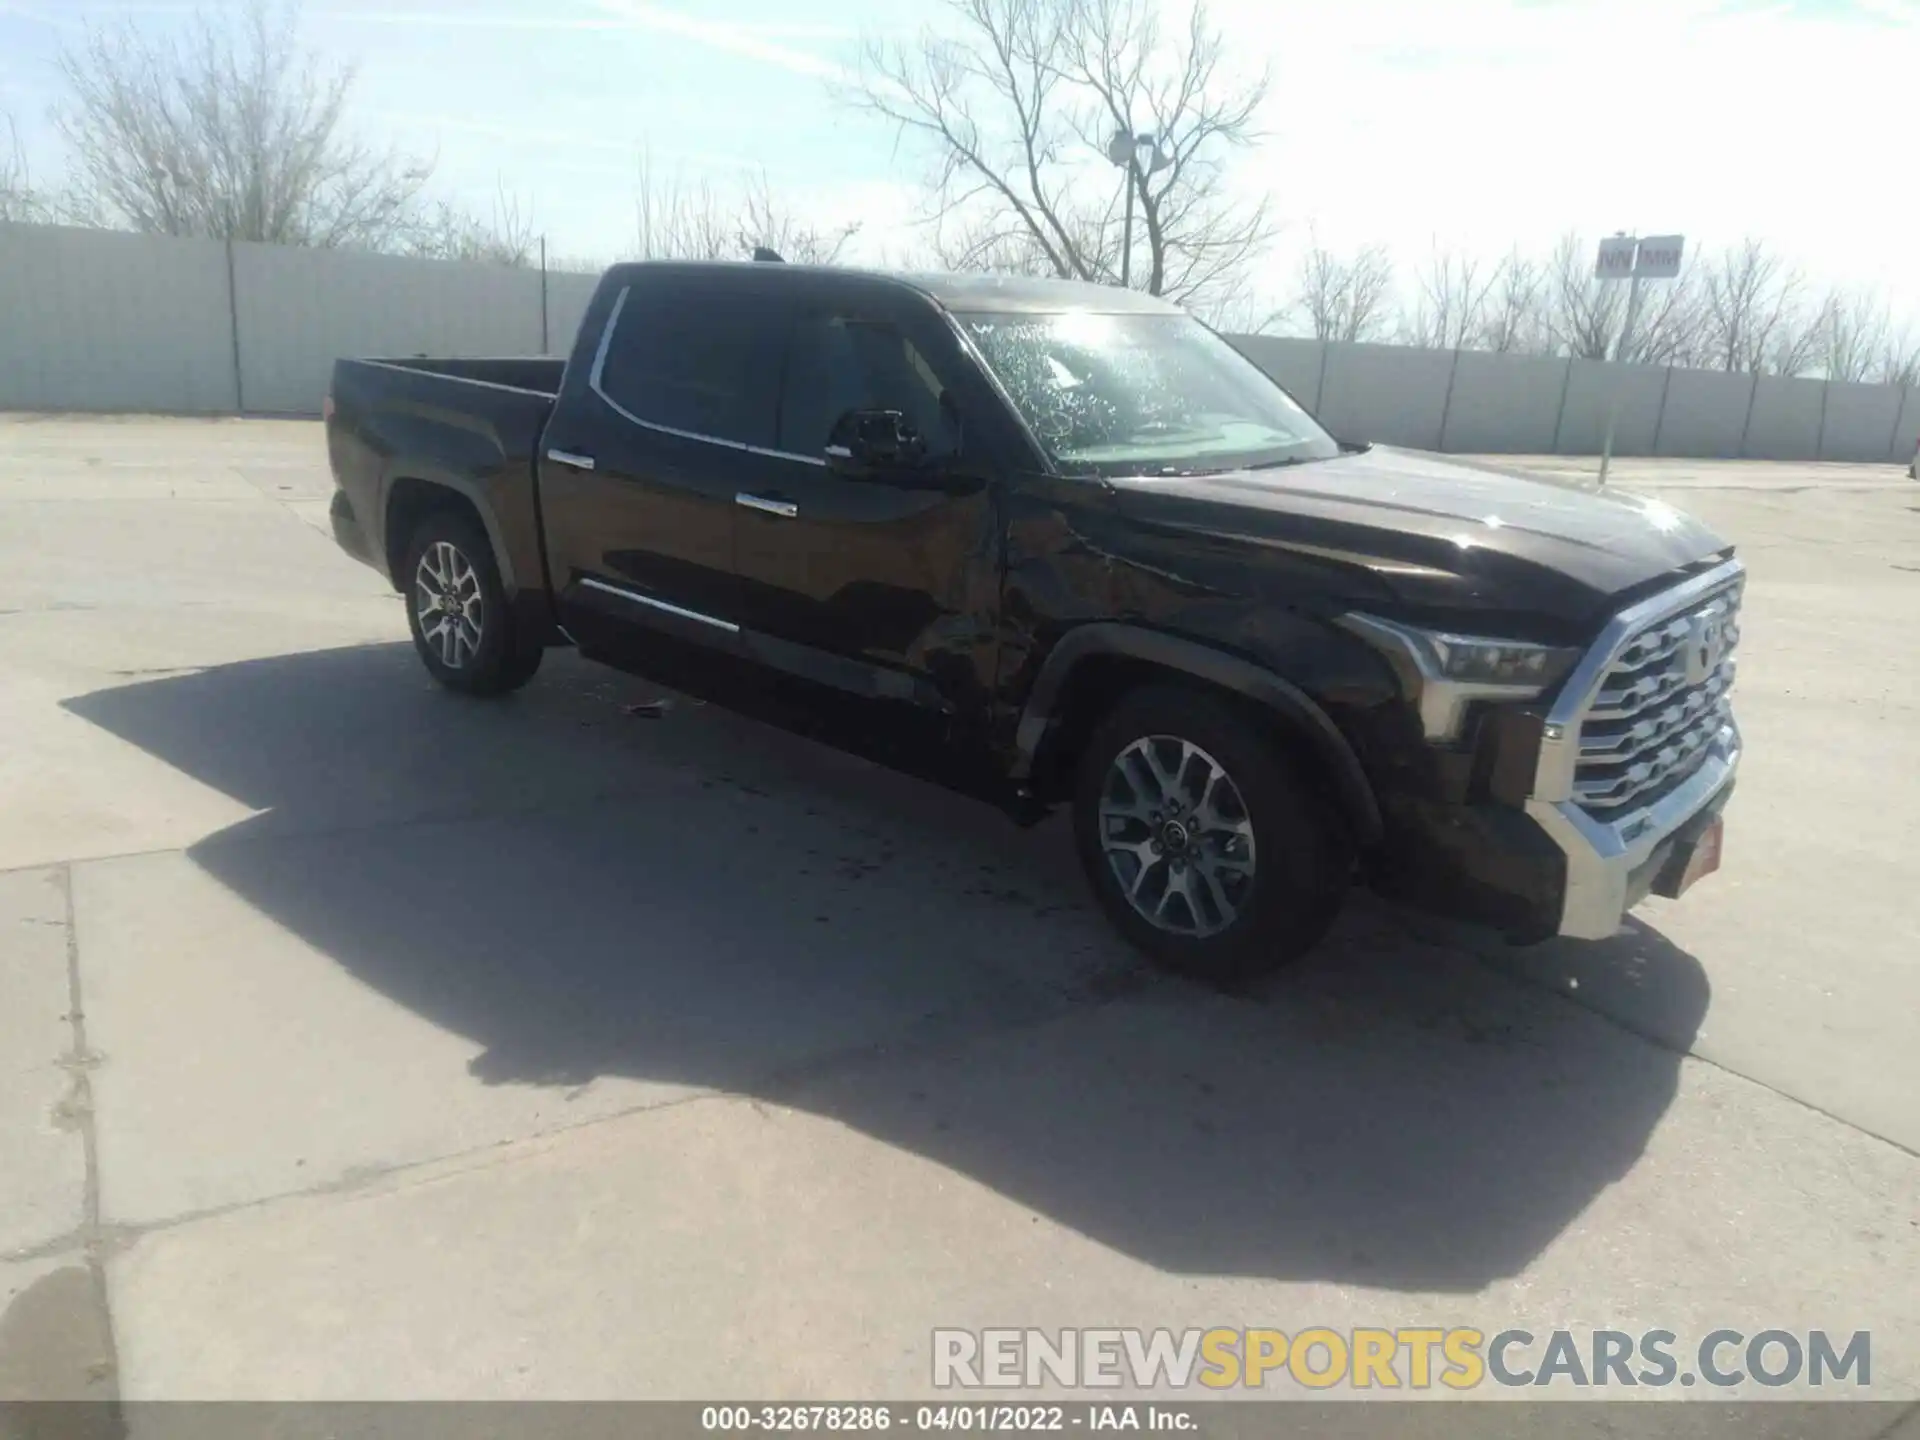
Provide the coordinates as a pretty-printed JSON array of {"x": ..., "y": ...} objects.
[
  {"x": 232, "y": 132},
  {"x": 1513, "y": 318},
  {"x": 1753, "y": 316},
  {"x": 1899, "y": 361},
  {"x": 1450, "y": 305},
  {"x": 1344, "y": 299},
  {"x": 448, "y": 232},
  {"x": 19, "y": 201},
  {"x": 1015, "y": 104},
  {"x": 765, "y": 221},
  {"x": 675, "y": 219},
  {"x": 1586, "y": 316},
  {"x": 1853, "y": 330},
  {"x": 1200, "y": 241},
  {"x": 678, "y": 219}
]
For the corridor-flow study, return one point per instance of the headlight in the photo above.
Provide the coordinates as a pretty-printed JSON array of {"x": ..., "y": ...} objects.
[
  {"x": 1444, "y": 672},
  {"x": 1480, "y": 661}
]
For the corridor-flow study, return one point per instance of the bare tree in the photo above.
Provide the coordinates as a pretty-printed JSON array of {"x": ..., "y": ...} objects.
[
  {"x": 765, "y": 221},
  {"x": 448, "y": 232},
  {"x": 1853, "y": 330},
  {"x": 961, "y": 242},
  {"x": 1667, "y": 329},
  {"x": 1450, "y": 300},
  {"x": 1584, "y": 313},
  {"x": 19, "y": 201},
  {"x": 1018, "y": 105},
  {"x": 1752, "y": 316},
  {"x": 1899, "y": 362},
  {"x": 678, "y": 219},
  {"x": 675, "y": 219},
  {"x": 1587, "y": 317},
  {"x": 978, "y": 239},
  {"x": 1513, "y": 317},
  {"x": 234, "y": 132},
  {"x": 1199, "y": 239},
  {"x": 1344, "y": 299}
]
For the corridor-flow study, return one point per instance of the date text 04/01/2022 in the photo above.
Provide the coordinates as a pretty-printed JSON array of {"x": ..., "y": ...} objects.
[{"x": 948, "y": 1418}]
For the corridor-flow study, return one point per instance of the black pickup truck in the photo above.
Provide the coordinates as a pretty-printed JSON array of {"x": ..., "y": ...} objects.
[{"x": 1052, "y": 543}]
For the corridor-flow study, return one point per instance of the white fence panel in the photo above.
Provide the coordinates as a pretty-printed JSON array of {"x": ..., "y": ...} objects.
[
  {"x": 1503, "y": 404},
  {"x": 97, "y": 320},
  {"x": 1598, "y": 391},
  {"x": 1705, "y": 413},
  {"x": 1296, "y": 364},
  {"x": 1859, "y": 422},
  {"x": 1906, "y": 430},
  {"x": 300, "y": 310},
  {"x": 1390, "y": 393},
  {"x": 1786, "y": 419},
  {"x": 568, "y": 296},
  {"x": 104, "y": 321}
]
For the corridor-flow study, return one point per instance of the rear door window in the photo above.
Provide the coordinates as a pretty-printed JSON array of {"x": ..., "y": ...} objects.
[{"x": 698, "y": 360}]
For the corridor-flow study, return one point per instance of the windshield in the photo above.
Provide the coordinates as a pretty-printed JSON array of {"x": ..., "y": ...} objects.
[{"x": 1142, "y": 394}]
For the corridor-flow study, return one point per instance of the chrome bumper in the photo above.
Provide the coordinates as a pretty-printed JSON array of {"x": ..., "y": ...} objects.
[
  {"x": 1612, "y": 867},
  {"x": 1613, "y": 863}
]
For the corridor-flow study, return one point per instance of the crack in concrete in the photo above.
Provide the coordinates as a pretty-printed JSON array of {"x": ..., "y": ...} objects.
[
  {"x": 56, "y": 1334},
  {"x": 80, "y": 1063},
  {"x": 951, "y": 1028}
]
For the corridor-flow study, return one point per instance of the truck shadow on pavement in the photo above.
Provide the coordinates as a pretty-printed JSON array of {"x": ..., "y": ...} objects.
[{"x": 701, "y": 901}]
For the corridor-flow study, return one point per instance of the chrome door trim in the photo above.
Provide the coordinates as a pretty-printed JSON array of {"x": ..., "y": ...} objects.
[
  {"x": 786, "y": 509},
  {"x": 588, "y": 582}
]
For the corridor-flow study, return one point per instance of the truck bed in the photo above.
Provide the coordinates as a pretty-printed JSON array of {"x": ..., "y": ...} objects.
[
  {"x": 469, "y": 425},
  {"x": 539, "y": 373}
]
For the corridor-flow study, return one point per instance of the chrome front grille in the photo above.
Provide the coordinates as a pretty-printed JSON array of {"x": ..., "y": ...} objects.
[{"x": 1659, "y": 706}]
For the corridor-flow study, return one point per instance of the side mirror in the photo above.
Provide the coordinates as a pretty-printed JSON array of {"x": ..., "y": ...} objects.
[{"x": 874, "y": 442}]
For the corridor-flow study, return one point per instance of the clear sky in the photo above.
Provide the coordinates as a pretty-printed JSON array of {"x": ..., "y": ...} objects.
[{"x": 1476, "y": 123}]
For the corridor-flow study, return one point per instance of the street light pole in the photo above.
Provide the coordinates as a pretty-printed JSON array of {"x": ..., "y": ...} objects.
[{"x": 1124, "y": 150}]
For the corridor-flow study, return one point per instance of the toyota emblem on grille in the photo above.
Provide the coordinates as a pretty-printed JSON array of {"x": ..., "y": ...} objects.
[{"x": 1706, "y": 646}]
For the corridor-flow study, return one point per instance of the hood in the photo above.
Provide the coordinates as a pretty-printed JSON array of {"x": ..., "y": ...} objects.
[{"x": 1443, "y": 535}]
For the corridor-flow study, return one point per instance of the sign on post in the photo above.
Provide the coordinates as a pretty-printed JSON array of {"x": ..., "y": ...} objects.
[
  {"x": 1616, "y": 257},
  {"x": 1659, "y": 257},
  {"x": 1631, "y": 257}
]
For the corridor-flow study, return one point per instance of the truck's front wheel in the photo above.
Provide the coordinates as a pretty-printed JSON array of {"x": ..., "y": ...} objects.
[
  {"x": 458, "y": 610},
  {"x": 1203, "y": 847}
]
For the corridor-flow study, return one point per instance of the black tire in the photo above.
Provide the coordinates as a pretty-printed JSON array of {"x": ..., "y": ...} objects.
[
  {"x": 1302, "y": 860},
  {"x": 500, "y": 660}
]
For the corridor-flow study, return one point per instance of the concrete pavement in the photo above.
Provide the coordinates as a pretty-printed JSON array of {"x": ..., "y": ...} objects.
[{"x": 433, "y": 1049}]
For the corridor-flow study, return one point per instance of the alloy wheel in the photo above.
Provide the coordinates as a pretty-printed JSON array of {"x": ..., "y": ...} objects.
[
  {"x": 449, "y": 604},
  {"x": 1177, "y": 835}
]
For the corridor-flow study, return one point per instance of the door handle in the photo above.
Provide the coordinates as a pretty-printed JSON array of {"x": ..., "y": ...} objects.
[
  {"x": 567, "y": 457},
  {"x": 786, "y": 509}
]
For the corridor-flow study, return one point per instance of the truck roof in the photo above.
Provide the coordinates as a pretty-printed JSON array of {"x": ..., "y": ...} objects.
[{"x": 1018, "y": 293}]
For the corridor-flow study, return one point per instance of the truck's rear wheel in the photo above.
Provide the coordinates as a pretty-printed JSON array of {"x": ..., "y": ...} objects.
[
  {"x": 457, "y": 609},
  {"x": 1203, "y": 847}
]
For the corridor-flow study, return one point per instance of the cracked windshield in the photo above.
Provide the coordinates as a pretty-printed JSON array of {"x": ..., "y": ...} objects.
[{"x": 1120, "y": 394}]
